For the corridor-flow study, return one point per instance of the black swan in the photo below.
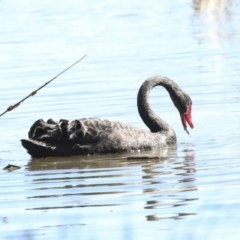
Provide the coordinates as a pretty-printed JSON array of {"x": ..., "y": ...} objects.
[{"x": 95, "y": 135}]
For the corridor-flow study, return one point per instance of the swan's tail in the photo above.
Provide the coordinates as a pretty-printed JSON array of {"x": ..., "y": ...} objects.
[
  {"x": 48, "y": 139},
  {"x": 37, "y": 149}
]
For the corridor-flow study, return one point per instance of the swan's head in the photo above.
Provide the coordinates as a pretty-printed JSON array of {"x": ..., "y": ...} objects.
[{"x": 183, "y": 103}]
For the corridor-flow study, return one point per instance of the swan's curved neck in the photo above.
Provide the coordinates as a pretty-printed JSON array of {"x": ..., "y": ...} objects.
[{"x": 154, "y": 122}]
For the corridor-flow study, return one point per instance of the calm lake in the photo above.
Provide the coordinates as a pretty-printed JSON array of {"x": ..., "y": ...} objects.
[{"x": 192, "y": 192}]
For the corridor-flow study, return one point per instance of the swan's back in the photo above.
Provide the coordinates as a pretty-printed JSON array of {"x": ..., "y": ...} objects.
[
  {"x": 87, "y": 136},
  {"x": 114, "y": 134}
]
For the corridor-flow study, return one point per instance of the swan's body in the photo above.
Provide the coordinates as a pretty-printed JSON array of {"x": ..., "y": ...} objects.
[{"x": 95, "y": 135}]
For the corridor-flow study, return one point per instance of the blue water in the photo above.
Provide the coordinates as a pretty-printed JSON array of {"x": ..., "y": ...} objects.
[{"x": 189, "y": 193}]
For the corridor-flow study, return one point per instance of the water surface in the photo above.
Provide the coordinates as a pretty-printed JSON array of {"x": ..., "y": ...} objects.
[{"x": 191, "y": 192}]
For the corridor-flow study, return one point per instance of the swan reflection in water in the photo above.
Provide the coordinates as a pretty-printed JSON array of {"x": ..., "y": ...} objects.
[
  {"x": 95, "y": 135},
  {"x": 168, "y": 184},
  {"x": 163, "y": 187}
]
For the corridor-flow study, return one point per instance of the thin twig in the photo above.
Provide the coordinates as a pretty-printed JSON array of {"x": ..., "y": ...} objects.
[{"x": 10, "y": 108}]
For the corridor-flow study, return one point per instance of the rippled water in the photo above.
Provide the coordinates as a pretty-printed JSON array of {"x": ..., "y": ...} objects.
[{"x": 196, "y": 43}]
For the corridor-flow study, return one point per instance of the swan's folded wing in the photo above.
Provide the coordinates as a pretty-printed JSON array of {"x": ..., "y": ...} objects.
[{"x": 90, "y": 130}]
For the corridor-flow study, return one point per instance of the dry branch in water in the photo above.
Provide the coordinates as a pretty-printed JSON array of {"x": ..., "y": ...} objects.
[{"x": 10, "y": 108}]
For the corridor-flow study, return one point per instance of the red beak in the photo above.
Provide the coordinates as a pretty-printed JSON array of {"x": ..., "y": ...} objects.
[{"x": 187, "y": 118}]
